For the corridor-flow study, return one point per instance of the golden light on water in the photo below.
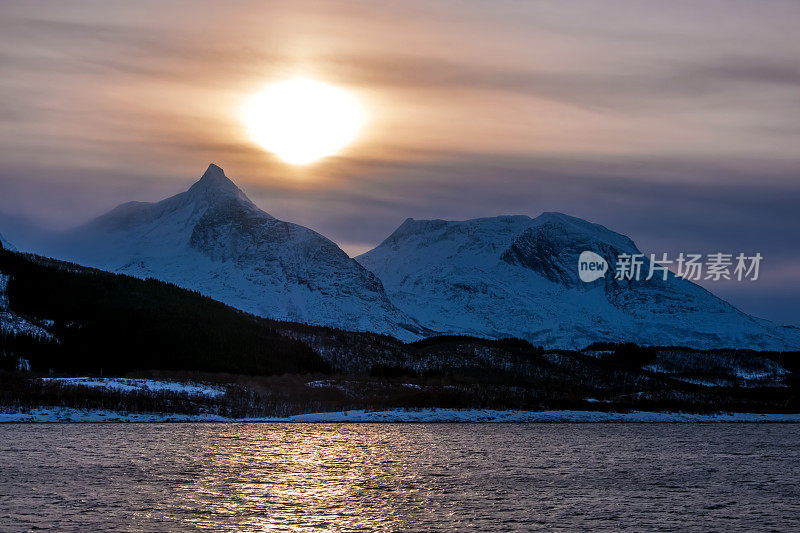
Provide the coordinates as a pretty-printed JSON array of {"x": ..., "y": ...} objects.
[{"x": 302, "y": 120}]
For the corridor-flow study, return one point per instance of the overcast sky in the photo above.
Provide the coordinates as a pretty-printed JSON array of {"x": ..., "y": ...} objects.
[{"x": 676, "y": 123}]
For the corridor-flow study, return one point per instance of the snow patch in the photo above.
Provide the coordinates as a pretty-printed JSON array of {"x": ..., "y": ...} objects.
[
  {"x": 321, "y": 384},
  {"x": 131, "y": 385},
  {"x": 13, "y": 323},
  {"x": 68, "y": 414},
  {"x": 3, "y": 291},
  {"x": 17, "y": 325}
]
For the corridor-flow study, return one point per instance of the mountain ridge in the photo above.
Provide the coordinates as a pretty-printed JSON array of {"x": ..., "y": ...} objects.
[
  {"x": 492, "y": 277},
  {"x": 516, "y": 276},
  {"x": 212, "y": 238}
]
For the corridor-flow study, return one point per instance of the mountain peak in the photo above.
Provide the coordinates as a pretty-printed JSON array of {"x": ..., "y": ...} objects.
[
  {"x": 215, "y": 176},
  {"x": 214, "y": 170},
  {"x": 215, "y": 184},
  {"x": 578, "y": 229}
]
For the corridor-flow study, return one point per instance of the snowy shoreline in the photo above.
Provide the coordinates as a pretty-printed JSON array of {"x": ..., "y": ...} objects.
[{"x": 70, "y": 415}]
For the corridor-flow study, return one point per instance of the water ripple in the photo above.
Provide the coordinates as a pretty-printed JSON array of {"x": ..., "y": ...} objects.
[{"x": 385, "y": 477}]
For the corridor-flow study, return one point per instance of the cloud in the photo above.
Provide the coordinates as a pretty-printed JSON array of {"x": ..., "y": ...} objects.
[
  {"x": 677, "y": 126},
  {"x": 650, "y": 79},
  {"x": 757, "y": 70}
]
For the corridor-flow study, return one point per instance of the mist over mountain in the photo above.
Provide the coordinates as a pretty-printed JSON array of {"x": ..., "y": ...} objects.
[
  {"x": 5, "y": 245},
  {"x": 25, "y": 234},
  {"x": 516, "y": 276}
]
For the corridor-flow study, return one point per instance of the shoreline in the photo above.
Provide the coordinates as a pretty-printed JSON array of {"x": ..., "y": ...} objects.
[{"x": 57, "y": 415}]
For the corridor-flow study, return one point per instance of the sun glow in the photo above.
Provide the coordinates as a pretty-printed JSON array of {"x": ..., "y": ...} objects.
[{"x": 302, "y": 120}]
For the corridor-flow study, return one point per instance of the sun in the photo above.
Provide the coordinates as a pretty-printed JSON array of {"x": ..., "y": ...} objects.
[{"x": 302, "y": 120}]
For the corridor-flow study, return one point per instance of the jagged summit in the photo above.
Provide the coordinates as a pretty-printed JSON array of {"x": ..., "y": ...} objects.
[
  {"x": 214, "y": 171},
  {"x": 214, "y": 185},
  {"x": 214, "y": 179},
  {"x": 213, "y": 191},
  {"x": 213, "y": 239}
]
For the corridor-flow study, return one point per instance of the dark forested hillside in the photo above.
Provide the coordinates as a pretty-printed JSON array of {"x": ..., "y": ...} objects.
[
  {"x": 118, "y": 323},
  {"x": 72, "y": 320}
]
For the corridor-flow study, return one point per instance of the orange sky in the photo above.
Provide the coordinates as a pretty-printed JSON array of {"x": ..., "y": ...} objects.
[{"x": 112, "y": 85}]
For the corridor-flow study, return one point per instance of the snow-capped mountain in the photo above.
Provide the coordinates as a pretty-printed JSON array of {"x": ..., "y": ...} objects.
[
  {"x": 213, "y": 239},
  {"x": 510, "y": 276},
  {"x": 516, "y": 276}
]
